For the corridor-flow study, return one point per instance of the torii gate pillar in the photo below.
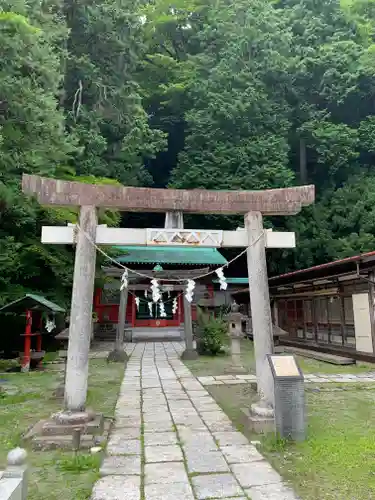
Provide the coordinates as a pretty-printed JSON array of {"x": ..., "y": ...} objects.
[
  {"x": 80, "y": 325},
  {"x": 260, "y": 311}
]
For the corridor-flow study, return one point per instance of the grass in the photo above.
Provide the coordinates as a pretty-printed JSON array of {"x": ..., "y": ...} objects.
[
  {"x": 337, "y": 459},
  {"x": 216, "y": 365},
  {"x": 55, "y": 474}
]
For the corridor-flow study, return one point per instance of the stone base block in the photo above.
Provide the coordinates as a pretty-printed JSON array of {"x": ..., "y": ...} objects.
[
  {"x": 117, "y": 356},
  {"x": 50, "y": 434},
  {"x": 258, "y": 424},
  {"x": 93, "y": 427},
  {"x": 189, "y": 354}
]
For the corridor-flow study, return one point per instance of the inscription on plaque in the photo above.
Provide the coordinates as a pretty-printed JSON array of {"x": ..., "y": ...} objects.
[{"x": 285, "y": 366}]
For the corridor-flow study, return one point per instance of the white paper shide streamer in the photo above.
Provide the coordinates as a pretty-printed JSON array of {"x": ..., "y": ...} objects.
[
  {"x": 124, "y": 279},
  {"x": 174, "y": 306},
  {"x": 150, "y": 309},
  {"x": 163, "y": 314},
  {"x": 222, "y": 279},
  {"x": 50, "y": 325},
  {"x": 190, "y": 290},
  {"x": 155, "y": 289},
  {"x": 137, "y": 301}
]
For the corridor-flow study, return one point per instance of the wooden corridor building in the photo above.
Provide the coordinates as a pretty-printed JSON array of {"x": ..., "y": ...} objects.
[{"x": 332, "y": 303}]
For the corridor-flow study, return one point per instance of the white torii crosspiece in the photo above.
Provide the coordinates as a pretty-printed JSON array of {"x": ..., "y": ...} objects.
[{"x": 170, "y": 237}]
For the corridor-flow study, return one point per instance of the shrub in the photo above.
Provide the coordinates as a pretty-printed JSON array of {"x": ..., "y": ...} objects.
[{"x": 210, "y": 334}]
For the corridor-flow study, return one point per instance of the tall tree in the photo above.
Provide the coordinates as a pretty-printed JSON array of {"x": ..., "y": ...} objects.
[
  {"x": 237, "y": 126},
  {"x": 101, "y": 97}
]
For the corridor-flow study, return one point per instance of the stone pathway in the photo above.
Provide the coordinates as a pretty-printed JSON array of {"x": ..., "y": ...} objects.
[
  {"x": 320, "y": 378},
  {"x": 171, "y": 441}
]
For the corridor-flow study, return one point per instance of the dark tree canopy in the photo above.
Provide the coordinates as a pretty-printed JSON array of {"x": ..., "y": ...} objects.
[{"x": 190, "y": 94}]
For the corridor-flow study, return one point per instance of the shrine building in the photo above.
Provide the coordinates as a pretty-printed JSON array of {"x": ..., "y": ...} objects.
[{"x": 163, "y": 263}]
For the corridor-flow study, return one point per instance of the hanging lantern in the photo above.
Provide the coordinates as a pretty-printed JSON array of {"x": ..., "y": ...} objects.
[{"x": 222, "y": 279}]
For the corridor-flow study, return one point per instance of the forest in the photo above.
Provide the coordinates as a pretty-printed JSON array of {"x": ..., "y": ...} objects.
[{"x": 209, "y": 94}]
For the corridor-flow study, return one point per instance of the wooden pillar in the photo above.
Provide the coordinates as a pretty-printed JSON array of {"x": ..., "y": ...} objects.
[
  {"x": 342, "y": 319},
  {"x": 25, "y": 364},
  {"x": 371, "y": 295},
  {"x": 260, "y": 306},
  {"x": 179, "y": 310},
  {"x": 39, "y": 337},
  {"x": 190, "y": 352},
  {"x": 121, "y": 319},
  {"x": 81, "y": 313},
  {"x": 275, "y": 313},
  {"x": 134, "y": 310}
]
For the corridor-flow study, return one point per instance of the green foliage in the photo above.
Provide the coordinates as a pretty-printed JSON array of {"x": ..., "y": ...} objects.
[
  {"x": 211, "y": 95},
  {"x": 210, "y": 334}
]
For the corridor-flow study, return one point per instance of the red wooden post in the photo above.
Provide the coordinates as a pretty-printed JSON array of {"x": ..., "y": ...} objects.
[{"x": 25, "y": 364}]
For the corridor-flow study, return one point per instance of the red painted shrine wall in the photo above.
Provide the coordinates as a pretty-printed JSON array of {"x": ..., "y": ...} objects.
[{"x": 109, "y": 313}]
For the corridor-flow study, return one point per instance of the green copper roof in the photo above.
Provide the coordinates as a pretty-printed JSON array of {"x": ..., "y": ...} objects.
[
  {"x": 32, "y": 302},
  {"x": 170, "y": 255},
  {"x": 235, "y": 281}
]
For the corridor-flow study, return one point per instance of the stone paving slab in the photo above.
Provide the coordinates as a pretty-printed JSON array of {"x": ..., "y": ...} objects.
[
  {"x": 209, "y": 461},
  {"x": 118, "y": 445},
  {"x": 216, "y": 486},
  {"x": 165, "y": 473},
  {"x": 239, "y": 454},
  {"x": 271, "y": 492},
  {"x": 174, "y": 491},
  {"x": 167, "y": 453},
  {"x": 230, "y": 438},
  {"x": 172, "y": 441},
  {"x": 160, "y": 438},
  {"x": 256, "y": 474},
  {"x": 121, "y": 465},
  {"x": 117, "y": 488}
]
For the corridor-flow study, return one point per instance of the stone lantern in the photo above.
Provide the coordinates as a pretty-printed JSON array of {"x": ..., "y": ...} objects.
[{"x": 234, "y": 319}]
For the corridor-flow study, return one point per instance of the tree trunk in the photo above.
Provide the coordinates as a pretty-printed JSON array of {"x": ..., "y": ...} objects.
[{"x": 302, "y": 162}]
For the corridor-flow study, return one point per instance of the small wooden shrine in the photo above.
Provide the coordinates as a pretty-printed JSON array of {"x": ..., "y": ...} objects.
[{"x": 36, "y": 309}]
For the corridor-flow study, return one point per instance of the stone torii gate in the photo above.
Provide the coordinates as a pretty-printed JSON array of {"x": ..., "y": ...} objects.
[{"x": 252, "y": 204}]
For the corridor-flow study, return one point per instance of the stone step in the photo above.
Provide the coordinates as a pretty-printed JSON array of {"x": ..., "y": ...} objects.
[
  {"x": 319, "y": 356},
  {"x": 157, "y": 334}
]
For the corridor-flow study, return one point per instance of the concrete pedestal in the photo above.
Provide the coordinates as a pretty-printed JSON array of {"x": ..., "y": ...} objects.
[
  {"x": 69, "y": 431},
  {"x": 261, "y": 424}
]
